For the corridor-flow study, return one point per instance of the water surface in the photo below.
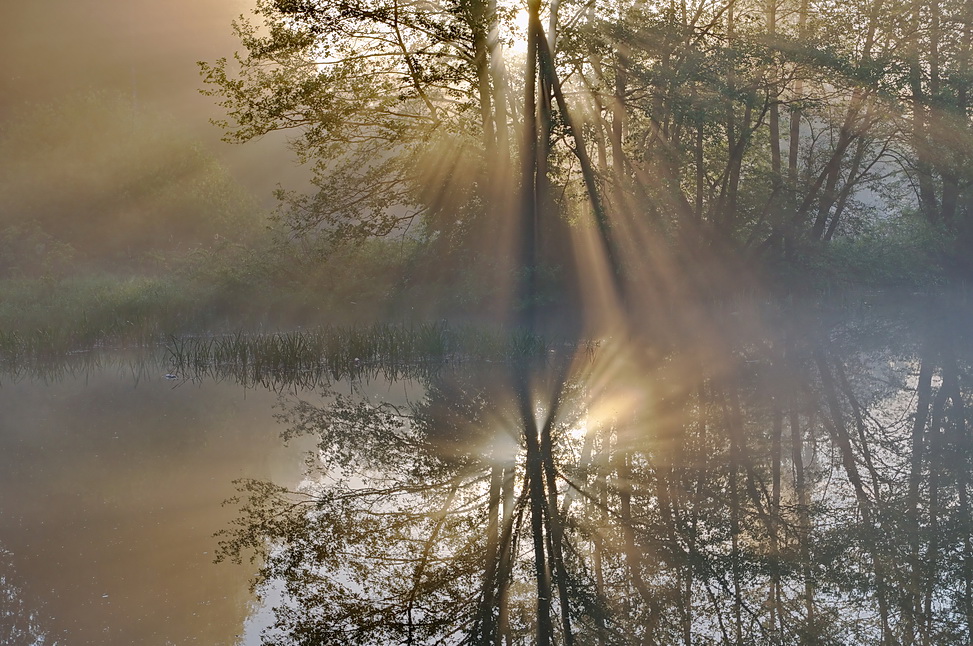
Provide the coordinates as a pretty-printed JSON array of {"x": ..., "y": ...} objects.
[{"x": 112, "y": 480}]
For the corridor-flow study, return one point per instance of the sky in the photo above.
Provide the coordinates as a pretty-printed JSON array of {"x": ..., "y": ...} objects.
[{"x": 147, "y": 49}]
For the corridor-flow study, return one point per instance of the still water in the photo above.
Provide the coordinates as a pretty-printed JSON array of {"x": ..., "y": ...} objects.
[
  {"x": 112, "y": 480},
  {"x": 766, "y": 477}
]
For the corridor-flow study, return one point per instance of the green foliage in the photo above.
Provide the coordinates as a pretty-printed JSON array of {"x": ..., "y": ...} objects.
[
  {"x": 269, "y": 282},
  {"x": 54, "y": 317},
  {"x": 681, "y": 105},
  {"x": 902, "y": 252},
  {"x": 390, "y": 84}
]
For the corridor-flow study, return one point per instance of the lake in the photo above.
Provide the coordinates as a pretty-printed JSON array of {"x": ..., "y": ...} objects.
[
  {"x": 112, "y": 480},
  {"x": 759, "y": 476}
]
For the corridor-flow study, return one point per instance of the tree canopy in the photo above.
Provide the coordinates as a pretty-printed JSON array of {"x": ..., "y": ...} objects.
[{"x": 769, "y": 129}]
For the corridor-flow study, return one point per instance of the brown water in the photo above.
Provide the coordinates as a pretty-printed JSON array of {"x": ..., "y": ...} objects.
[{"x": 111, "y": 484}]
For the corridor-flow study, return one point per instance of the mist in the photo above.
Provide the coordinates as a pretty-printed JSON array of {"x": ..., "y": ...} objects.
[
  {"x": 603, "y": 323},
  {"x": 146, "y": 51}
]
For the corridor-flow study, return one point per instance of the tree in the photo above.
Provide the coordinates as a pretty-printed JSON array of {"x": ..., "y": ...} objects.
[{"x": 679, "y": 515}]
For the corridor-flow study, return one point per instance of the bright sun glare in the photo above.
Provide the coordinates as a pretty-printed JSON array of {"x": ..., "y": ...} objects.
[{"x": 519, "y": 36}]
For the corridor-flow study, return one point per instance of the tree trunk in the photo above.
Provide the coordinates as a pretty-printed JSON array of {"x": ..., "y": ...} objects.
[
  {"x": 488, "y": 631},
  {"x": 920, "y": 135},
  {"x": 912, "y": 607},
  {"x": 803, "y": 527},
  {"x": 840, "y": 438}
]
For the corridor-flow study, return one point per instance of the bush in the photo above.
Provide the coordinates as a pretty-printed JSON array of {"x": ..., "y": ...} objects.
[{"x": 900, "y": 252}]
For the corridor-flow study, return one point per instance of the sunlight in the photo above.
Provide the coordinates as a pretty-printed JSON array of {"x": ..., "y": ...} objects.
[
  {"x": 588, "y": 320},
  {"x": 518, "y": 33}
]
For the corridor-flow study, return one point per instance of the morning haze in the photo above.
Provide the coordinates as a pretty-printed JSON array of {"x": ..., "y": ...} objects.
[
  {"x": 143, "y": 50},
  {"x": 611, "y": 323}
]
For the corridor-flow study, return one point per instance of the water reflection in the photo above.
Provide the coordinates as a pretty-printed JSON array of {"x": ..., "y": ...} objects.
[
  {"x": 794, "y": 476},
  {"x": 112, "y": 480},
  {"x": 801, "y": 481}
]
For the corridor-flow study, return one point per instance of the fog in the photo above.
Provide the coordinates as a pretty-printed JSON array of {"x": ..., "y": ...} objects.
[
  {"x": 146, "y": 49},
  {"x": 687, "y": 365}
]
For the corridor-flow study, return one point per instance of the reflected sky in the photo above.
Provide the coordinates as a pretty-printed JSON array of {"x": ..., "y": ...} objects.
[
  {"x": 111, "y": 486},
  {"x": 110, "y": 493}
]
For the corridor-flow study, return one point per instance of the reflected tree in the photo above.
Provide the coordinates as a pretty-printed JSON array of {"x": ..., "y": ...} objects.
[
  {"x": 811, "y": 488},
  {"x": 716, "y": 472}
]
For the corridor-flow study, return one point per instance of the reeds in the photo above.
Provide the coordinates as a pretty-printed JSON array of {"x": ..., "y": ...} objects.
[
  {"x": 333, "y": 353},
  {"x": 301, "y": 358},
  {"x": 48, "y": 356}
]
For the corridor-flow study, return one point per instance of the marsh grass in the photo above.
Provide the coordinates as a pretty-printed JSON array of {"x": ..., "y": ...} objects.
[
  {"x": 46, "y": 324},
  {"x": 305, "y": 357},
  {"x": 302, "y": 359},
  {"x": 44, "y": 321}
]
